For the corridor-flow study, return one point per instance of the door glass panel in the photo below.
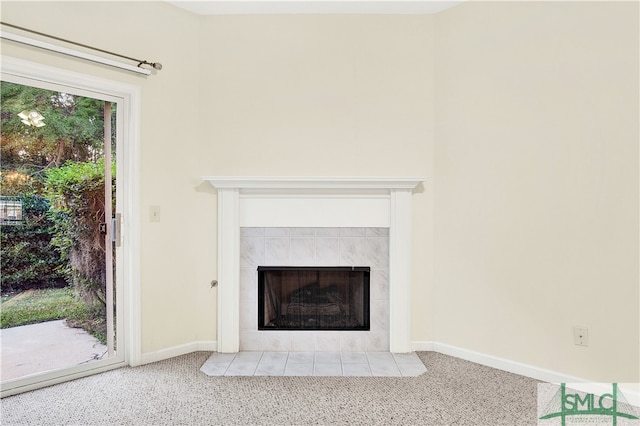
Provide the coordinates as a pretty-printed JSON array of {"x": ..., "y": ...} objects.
[{"x": 57, "y": 200}]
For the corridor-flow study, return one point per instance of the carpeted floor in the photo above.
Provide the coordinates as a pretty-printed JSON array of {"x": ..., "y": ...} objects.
[{"x": 175, "y": 392}]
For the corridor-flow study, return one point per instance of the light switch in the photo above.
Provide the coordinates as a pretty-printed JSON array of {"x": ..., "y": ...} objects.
[{"x": 154, "y": 213}]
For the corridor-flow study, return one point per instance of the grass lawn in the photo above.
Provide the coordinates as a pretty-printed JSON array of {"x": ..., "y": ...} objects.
[{"x": 34, "y": 306}]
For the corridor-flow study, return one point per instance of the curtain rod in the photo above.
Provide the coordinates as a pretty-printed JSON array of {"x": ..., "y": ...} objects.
[{"x": 77, "y": 53}]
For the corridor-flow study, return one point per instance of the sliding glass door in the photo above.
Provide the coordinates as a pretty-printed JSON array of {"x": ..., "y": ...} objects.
[{"x": 64, "y": 192}]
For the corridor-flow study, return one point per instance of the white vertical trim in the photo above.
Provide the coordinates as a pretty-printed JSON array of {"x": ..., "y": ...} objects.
[
  {"x": 400, "y": 271},
  {"x": 228, "y": 270},
  {"x": 129, "y": 206},
  {"x": 108, "y": 237}
]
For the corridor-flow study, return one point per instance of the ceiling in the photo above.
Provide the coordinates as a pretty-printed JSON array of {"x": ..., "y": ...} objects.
[{"x": 259, "y": 7}]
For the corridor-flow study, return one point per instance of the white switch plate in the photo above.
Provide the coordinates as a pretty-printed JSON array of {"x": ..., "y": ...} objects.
[
  {"x": 154, "y": 213},
  {"x": 581, "y": 336}
]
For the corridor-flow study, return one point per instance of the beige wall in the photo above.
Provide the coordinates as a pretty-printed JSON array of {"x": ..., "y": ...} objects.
[
  {"x": 537, "y": 184},
  {"x": 531, "y": 170},
  {"x": 325, "y": 96},
  {"x": 175, "y": 253}
]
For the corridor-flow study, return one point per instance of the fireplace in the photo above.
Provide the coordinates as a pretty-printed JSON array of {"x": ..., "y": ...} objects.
[
  {"x": 333, "y": 207},
  {"x": 313, "y": 298}
]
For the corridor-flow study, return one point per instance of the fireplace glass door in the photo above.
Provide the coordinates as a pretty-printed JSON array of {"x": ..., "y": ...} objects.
[{"x": 313, "y": 298}]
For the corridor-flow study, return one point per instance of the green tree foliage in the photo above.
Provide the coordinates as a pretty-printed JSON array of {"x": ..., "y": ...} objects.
[
  {"x": 73, "y": 129},
  {"x": 76, "y": 191},
  {"x": 28, "y": 260},
  {"x": 58, "y": 171}
]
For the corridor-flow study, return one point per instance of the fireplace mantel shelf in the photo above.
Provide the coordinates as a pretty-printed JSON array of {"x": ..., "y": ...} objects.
[{"x": 306, "y": 182}]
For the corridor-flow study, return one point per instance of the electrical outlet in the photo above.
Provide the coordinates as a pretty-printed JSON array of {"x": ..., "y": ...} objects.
[
  {"x": 581, "y": 336},
  {"x": 154, "y": 213}
]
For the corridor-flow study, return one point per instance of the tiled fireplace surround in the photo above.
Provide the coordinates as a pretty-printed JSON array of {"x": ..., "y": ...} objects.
[
  {"x": 314, "y": 247},
  {"x": 310, "y": 221}
]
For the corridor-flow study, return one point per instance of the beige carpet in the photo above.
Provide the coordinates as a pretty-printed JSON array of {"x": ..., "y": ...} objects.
[{"x": 175, "y": 392}]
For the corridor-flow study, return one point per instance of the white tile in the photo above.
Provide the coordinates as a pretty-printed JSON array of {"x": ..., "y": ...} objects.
[
  {"x": 251, "y": 340},
  {"x": 300, "y": 358},
  {"x": 298, "y": 369},
  {"x": 328, "y": 341},
  {"x": 327, "y": 251},
  {"x": 361, "y": 370},
  {"x": 410, "y": 364},
  {"x": 352, "y": 232},
  {"x": 251, "y": 252},
  {"x": 251, "y": 232},
  {"x": 378, "y": 252},
  {"x": 274, "y": 357},
  {"x": 353, "y": 251},
  {"x": 249, "y": 284},
  {"x": 327, "y": 232},
  {"x": 303, "y": 341},
  {"x": 406, "y": 358},
  {"x": 218, "y": 369},
  {"x": 412, "y": 370},
  {"x": 353, "y": 341},
  {"x": 353, "y": 358},
  {"x": 377, "y": 232},
  {"x": 321, "y": 369},
  {"x": 388, "y": 369},
  {"x": 217, "y": 364},
  {"x": 303, "y": 251},
  {"x": 277, "y": 341},
  {"x": 379, "y": 364},
  {"x": 276, "y": 232},
  {"x": 267, "y": 369},
  {"x": 277, "y": 251},
  {"x": 380, "y": 358},
  {"x": 302, "y": 232},
  {"x": 378, "y": 341},
  {"x": 248, "y": 315},
  {"x": 248, "y": 356},
  {"x": 328, "y": 358},
  {"x": 379, "y": 284},
  {"x": 379, "y": 315},
  {"x": 222, "y": 358},
  {"x": 241, "y": 368}
]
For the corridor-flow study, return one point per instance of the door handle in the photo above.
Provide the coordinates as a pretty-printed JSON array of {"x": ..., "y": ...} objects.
[{"x": 117, "y": 229}]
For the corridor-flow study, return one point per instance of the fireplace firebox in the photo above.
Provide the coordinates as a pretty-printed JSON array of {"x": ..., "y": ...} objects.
[{"x": 313, "y": 298}]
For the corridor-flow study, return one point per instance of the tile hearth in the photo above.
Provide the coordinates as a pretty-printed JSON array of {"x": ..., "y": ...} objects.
[{"x": 326, "y": 364}]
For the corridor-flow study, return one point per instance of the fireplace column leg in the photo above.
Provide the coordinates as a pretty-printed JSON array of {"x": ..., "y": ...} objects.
[
  {"x": 400, "y": 271},
  {"x": 228, "y": 270}
]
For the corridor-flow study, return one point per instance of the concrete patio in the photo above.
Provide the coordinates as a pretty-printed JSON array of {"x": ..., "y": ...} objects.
[{"x": 36, "y": 348}]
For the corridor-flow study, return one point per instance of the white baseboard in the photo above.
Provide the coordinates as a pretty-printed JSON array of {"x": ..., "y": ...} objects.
[
  {"x": 631, "y": 390},
  {"x": 506, "y": 364},
  {"x": 206, "y": 345}
]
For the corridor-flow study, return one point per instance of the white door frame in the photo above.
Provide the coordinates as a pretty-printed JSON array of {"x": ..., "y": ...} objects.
[{"x": 128, "y": 98}]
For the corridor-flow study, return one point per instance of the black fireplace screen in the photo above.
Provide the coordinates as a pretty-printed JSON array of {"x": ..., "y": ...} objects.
[{"x": 313, "y": 298}]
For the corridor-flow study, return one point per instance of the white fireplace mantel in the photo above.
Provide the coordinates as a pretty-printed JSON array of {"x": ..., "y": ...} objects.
[
  {"x": 314, "y": 202},
  {"x": 289, "y": 182}
]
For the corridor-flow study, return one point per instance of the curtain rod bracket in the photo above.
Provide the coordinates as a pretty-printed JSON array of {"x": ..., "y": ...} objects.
[{"x": 154, "y": 65}]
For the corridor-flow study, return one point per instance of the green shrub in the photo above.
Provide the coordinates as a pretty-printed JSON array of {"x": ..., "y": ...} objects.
[
  {"x": 27, "y": 259},
  {"x": 76, "y": 192}
]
